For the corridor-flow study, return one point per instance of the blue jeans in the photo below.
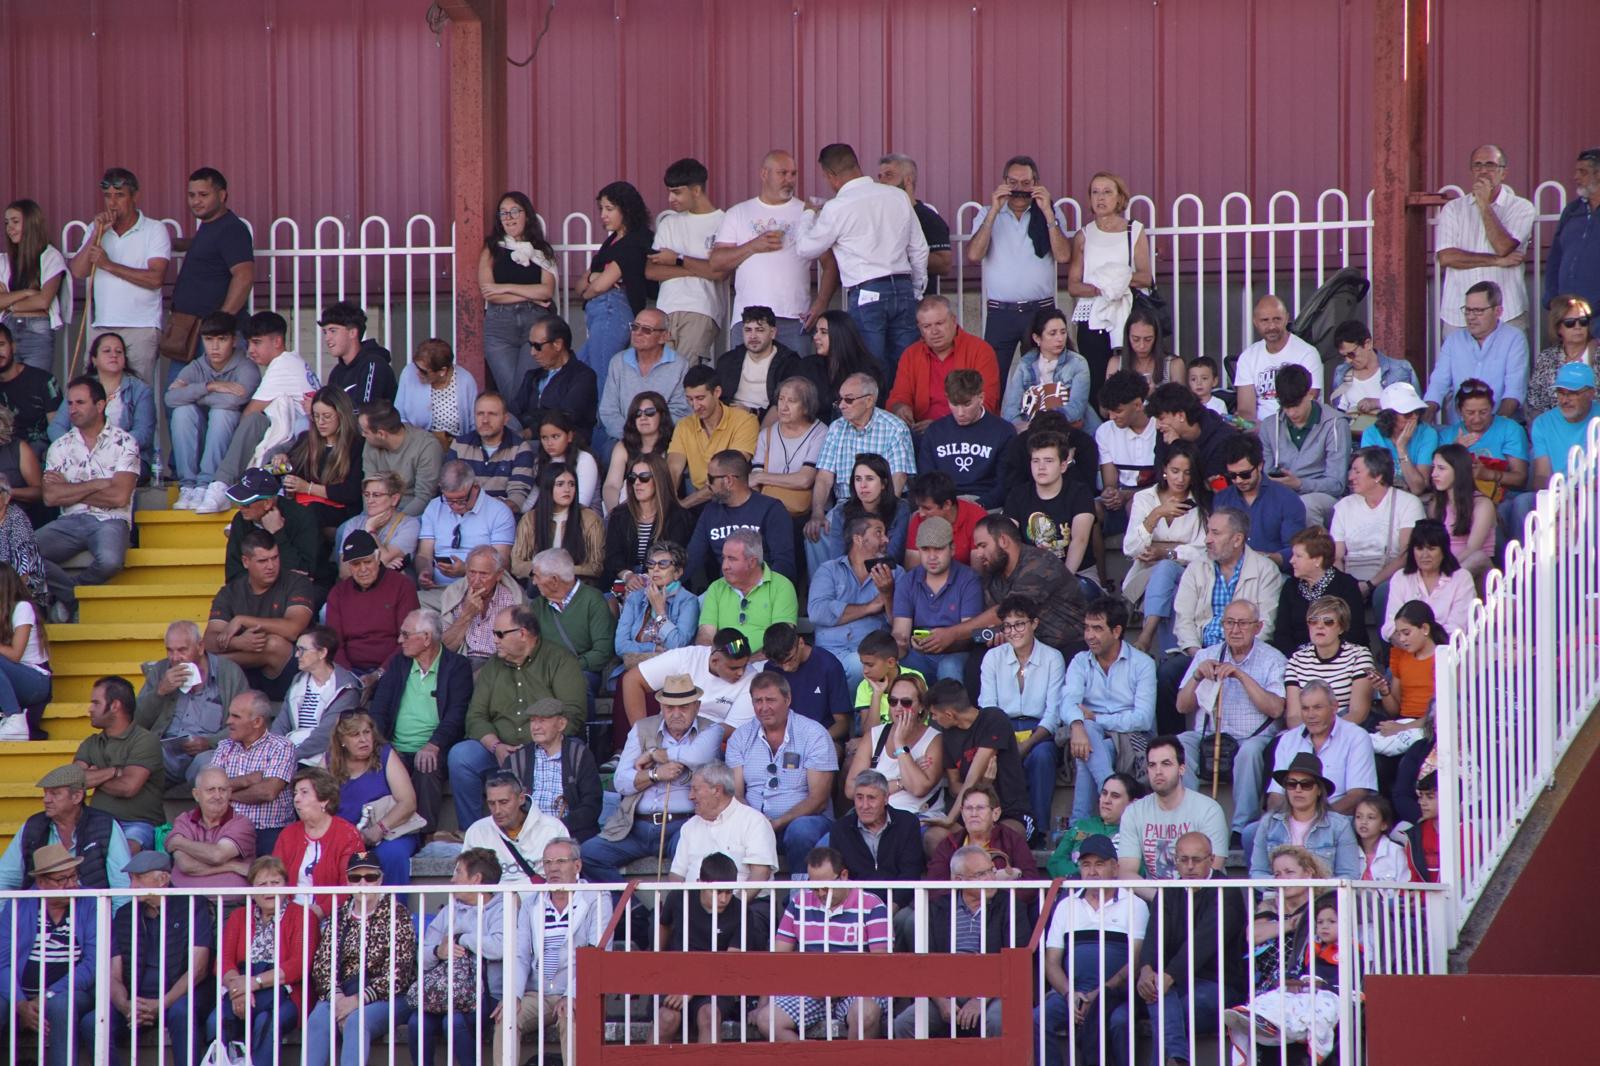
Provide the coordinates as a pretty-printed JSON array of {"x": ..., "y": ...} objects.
[
  {"x": 1514, "y": 511},
  {"x": 951, "y": 665},
  {"x": 59, "y": 1048},
  {"x": 394, "y": 856},
  {"x": 21, "y": 686},
  {"x": 1161, "y": 588},
  {"x": 505, "y": 343},
  {"x": 888, "y": 324},
  {"x": 603, "y": 860},
  {"x": 34, "y": 342},
  {"x": 264, "y": 1036},
  {"x": 425, "y": 1033},
  {"x": 798, "y": 838},
  {"x": 200, "y": 438},
  {"x": 1247, "y": 773},
  {"x": 360, "y": 1028},
  {"x": 1005, "y": 330},
  {"x": 606, "y": 317},
  {"x": 1059, "y": 1027},
  {"x": 469, "y": 763},
  {"x": 183, "y": 1029},
  {"x": 1174, "y": 1030},
  {"x": 1041, "y": 765},
  {"x": 106, "y": 542},
  {"x": 1089, "y": 774}
]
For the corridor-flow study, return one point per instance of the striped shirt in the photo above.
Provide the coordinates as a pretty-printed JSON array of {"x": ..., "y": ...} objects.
[
  {"x": 860, "y": 922},
  {"x": 53, "y": 956},
  {"x": 552, "y": 956},
  {"x": 1338, "y": 673}
]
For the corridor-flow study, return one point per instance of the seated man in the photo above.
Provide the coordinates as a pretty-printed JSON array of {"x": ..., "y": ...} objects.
[
  {"x": 1345, "y": 751},
  {"x": 469, "y": 605},
  {"x": 795, "y": 795},
  {"x": 160, "y": 965},
  {"x": 1026, "y": 679},
  {"x": 1554, "y": 434},
  {"x": 968, "y": 443},
  {"x": 293, "y": 528},
  {"x": 722, "y": 824},
  {"x": 849, "y": 598},
  {"x": 256, "y": 617},
  {"x": 1305, "y": 446},
  {"x": 715, "y": 428},
  {"x": 876, "y": 841},
  {"x": 1151, "y": 825},
  {"x": 705, "y": 921},
  {"x": 420, "y": 703},
  {"x": 917, "y": 398},
  {"x": 1110, "y": 689},
  {"x": 212, "y": 845},
  {"x": 205, "y": 400},
  {"x": 750, "y": 374},
  {"x": 649, "y": 366},
  {"x": 750, "y": 596},
  {"x": 363, "y": 369},
  {"x": 1126, "y": 441},
  {"x": 184, "y": 701},
  {"x": 53, "y": 999},
  {"x": 368, "y": 609},
  {"x": 414, "y": 454},
  {"x": 1180, "y": 415},
  {"x": 1054, "y": 513},
  {"x": 525, "y": 669},
  {"x": 90, "y": 473},
  {"x": 559, "y": 381},
  {"x": 1255, "y": 374},
  {"x": 574, "y": 613},
  {"x": 722, "y": 672},
  {"x": 66, "y": 819},
  {"x": 931, "y": 600},
  {"x": 1276, "y": 511},
  {"x": 733, "y": 506},
  {"x": 816, "y": 680},
  {"x": 501, "y": 461},
  {"x": 933, "y": 494},
  {"x": 830, "y": 920},
  {"x": 658, "y": 760},
  {"x": 1235, "y": 687},
  {"x": 259, "y": 764},
  {"x": 980, "y": 748},
  {"x": 462, "y": 518},
  {"x": 122, "y": 763},
  {"x": 515, "y": 829},
  {"x": 562, "y": 775},
  {"x": 862, "y": 426}
]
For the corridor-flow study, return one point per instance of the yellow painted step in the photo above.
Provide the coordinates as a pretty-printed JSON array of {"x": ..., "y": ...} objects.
[
  {"x": 170, "y": 566},
  {"x": 182, "y": 529},
  {"x": 67, "y": 721},
  {"x": 17, "y": 801},
  {"x": 119, "y": 603},
  {"x": 72, "y": 682},
  {"x": 90, "y": 642},
  {"x": 22, "y": 762}
]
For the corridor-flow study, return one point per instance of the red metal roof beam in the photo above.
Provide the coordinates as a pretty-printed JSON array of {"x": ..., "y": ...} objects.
[{"x": 1399, "y": 266}]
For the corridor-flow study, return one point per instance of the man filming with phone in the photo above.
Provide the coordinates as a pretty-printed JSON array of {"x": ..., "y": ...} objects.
[{"x": 854, "y": 595}]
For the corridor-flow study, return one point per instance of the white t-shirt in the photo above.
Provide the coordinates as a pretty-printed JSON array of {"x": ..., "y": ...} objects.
[
  {"x": 780, "y": 280},
  {"x": 1130, "y": 451},
  {"x": 1216, "y": 406},
  {"x": 1259, "y": 367},
  {"x": 1124, "y": 913},
  {"x": 51, "y": 264},
  {"x": 1371, "y": 535},
  {"x": 538, "y": 829},
  {"x": 288, "y": 376},
  {"x": 1152, "y": 833},
  {"x": 723, "y": 703},
  {"x": 23, "y": 614},
  {"x": 692, "y": 236},
  {"x": 752, "y": 391},
  {"x": 1356, "y": 390},
  {"x": 122, "y": 303}
]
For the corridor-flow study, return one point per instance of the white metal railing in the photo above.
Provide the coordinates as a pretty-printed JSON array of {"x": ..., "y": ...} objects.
[
  {"x": 1516, "y": 684},
  {"x": 1383, "y": 929}
]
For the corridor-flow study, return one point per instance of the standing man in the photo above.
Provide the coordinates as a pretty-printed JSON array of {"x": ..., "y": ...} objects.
[
  {"x": 127, "y": 254},
  {"x": 756, "y": 244},
  {"x": 1574, "y": 263},
  {"x": 882, "y": 255},
  {"x": 900, "y": 171},
  {"x": 1256, "y": 375},
  {"x": 1493, "y": 351},
  {"x": 1480, "y": 238},
  {"x": 362, "y": 366},
  {"x": 694, "y": 297},
  {"x": 1021, "y": 241},
  {"x": 220, "y": 265},
  {"x": 783, "y": 766}
]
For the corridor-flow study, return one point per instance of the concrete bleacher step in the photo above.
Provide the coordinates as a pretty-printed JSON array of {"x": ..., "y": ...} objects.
[
  {"x": 163, "y": 566},
  {"x": 183, "y": 529},
  {"x": 116, "y": 603},
  {"x": 89, "y": 642},
  {"x": 68, "y": 721}
]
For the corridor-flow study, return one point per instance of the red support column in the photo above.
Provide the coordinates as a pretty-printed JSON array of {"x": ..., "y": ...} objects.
[
  {"x": 477, "y": 154},
  {"x": 1399, "y": 251}
]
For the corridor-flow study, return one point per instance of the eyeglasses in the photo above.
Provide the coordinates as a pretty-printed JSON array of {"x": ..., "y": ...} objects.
[
  {"x": 644, "y": 476},
  {"x": 903, "y": 701},
  {"x": 502, "y": 634},
  {"x": 1300, "y": 784},
  {"x": 364, "y": 879},
  {"x": 1477, "y": 310},
  {"x": 515, "y": 212},
  {"x": 539, "y": 345},
  {"x": 1242, "y": 475},
  {"x": 1487, "y": 166},
  {"x": 1237, "y": 623},
  {"x": 640, "y": 327},
  {"x": 1015, "y": 627},
  {"x": 659, "y": 564},
  {"x": 1575, "y": 323},
  {"x": 304, "y": 649}
]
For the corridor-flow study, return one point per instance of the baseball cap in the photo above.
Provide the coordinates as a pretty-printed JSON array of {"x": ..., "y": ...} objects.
[
  {"x": 935, "y": 532},
  {"x": 1574, "y": 376},
  {"x": 255, "y": 484},
  {"x": 358, "y": 545},
  {"x": 362, "y": 860},
  {"x": 1099, "y": 845},
  {"x": 1402, "y": 397}
]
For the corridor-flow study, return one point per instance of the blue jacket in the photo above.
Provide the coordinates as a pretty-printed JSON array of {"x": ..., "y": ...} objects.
[
  {"x": 973, "y": 456},
  {"x": 453, "y": 692},
  {"x": 1390, "y": 371},
  {"x": 138, "y": 414},
  {"x": 683, "y": 618},
  {"x": 14, "y": 956},
  {"x": 1072, "y": 370},
  {"x": 1574, "y": 263},
  {"x": 1333, "y": 837}
]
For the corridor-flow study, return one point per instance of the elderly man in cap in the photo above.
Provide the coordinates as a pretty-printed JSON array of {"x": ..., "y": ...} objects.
[
  {"x": 212, "y": 845},
  {"x": 293, "y": 528},
  {"x": 559, "y": 770},
  {"x": 470, "y": 604},
  {"x": 931, "y": 599},
  {"x": 184, "y": 700},
  {"x": 87, "y": 832},
  {"x": 660, "y": 755},
  {"x": 48, "y": 999},
  {"x": 158, "y": 948},
  {"x": 574, "y": 613},
  {"x": 368, "y": 608}
]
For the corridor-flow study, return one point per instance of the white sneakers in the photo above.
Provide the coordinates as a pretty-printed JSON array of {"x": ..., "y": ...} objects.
[
  {"x": 14, "y": 727},
  {"x": 187, "y": 498},
  {"x": 213, "y": 499}
]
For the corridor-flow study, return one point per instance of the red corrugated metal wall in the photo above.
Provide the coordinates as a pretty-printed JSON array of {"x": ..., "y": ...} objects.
[{"x": 338, "y": 108}]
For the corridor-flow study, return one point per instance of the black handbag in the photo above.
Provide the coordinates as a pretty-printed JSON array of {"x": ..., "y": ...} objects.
[{"x": 1151, "y": 301}]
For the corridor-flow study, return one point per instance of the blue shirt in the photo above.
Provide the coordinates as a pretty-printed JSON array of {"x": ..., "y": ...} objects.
[
  {"x": 1039, "y": 695},
  {"x": 1276, "y": 516},
  {"x": 833, "y": 588},
  {"x": 702, "y": 743},
  {"x": 806, "y": 746},
  {"x": 489, "y": 522},
  {"x": 1424, "y": 442},
  {"x": 1501, "y": 362},
  {"x": 1554, "y": 436},
  {"x": 1123, "y": 698},
  {"x": 960, "y": 598},
  {"x": 1012, "y": 271},
  {"x": 817, "y": 690},
  {"x": 1504, "y": 439}
]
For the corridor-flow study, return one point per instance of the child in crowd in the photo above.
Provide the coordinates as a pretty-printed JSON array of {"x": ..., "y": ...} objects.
[
  {"x": 1385, "y": 859},
  {"x": 880, "y": 668},
  {"x": 1423, "y": 838},
  {"x": 1204, "y": 376}
]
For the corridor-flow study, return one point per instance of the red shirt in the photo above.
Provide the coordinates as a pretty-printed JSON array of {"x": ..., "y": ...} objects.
[
  {"x": 919, "y": 376},
  {"x": 968, "y": 515}
]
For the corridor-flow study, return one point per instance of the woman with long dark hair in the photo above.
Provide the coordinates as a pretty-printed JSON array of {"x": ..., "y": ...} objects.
[
  {"x": 871, "y": 493},
  {"x": 649, "y": 513},
  {"x": 557, "y": 521},
  {"x": 130, "y": 405},
  {"x": 1467, "y": 513},
  {"x": 325, "y": 461},
  {"x": 1432, "y": 574},
  {"x": 1409, "y": 696},
  {"x": 31, "y": 273},
  {"x": 1144, "y": 350},
  {"x": 615, "y": 288},
  {"x": 1166, "y": 532},
  {"x": 647, "y": 431},
  {"x": 556, "y": 441},
  {"x": 838, "y": 344},
  {"x": 517, "y": 276},
  {"x": 1049, "y": 362},
  {"x": 25, "y": 680}
]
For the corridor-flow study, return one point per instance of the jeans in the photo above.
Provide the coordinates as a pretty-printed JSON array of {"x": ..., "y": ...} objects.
[
  {"x": 263, "y": 1036},
  {"x": 21, "y": 686},
  {"x": 183, "y": 1029},
  {"x": 1173, "y": 1028},
  {"x": 247, "y": 436},
  {"x": 140, "y": 833},
  {"x": 469, "y": 763},
  {"x": 603, "y": 860},
  {"x": 1514, "y": 511},
  {"x": 505, "y": 342},
  {"x": 426, "y": 1033},
  {"x": 1005, "y": 329},
  {"x": 58, "y": 1050},
  {"x": 1169, "y": 678},
  {"x": 34, "y": 342},
  {"x": 606, "y": 318},
  {"x": 1247, "y": 773},
  {"x": 394, "y": 857},
  {"x": 106, "y": 542},
  {"x": 952, "y": 665},
  {"x": 1040, "y": 766},
  {"x": 1092, "y": 771},
  {"x": 905, "y": 1023},
  {"x": 1059, "y": 1027},
  {"x": 797, "y": 839},
  {"x": 888, "y": 324},
  {"x": 356, "y": 1034},
  {"x": 194, "y": 462},
  {"x": 850, "y": 659},
  {"x": 1161, "y": 588}
]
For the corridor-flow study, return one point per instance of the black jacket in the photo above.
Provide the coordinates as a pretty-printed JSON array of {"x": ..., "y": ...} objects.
[
  {"x": 900, "y": 855},
  {"x": 1290, "y": 630},
  {"x": 453, "y": 693},
  {"x": 1008, "y": 921},
  {"x": 786, "y": 363},
  {"x": 1168, "y": 933},
  {"x": 580, "y": 787},
  {"x": 573, "y": 389},
  {"x": 367, "y": 377},
  {"x": 1214, "y": 431}
]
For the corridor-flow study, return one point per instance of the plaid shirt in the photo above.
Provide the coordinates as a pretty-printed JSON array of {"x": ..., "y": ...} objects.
[
  {"x": 885, "y": 435},
  {"x": 1263, "y": 663},
  {"x": 272, "y": 756},
  {"x": 1221, "y": 595},
  {"x": 479, "y": 640},
  {"x": 548, "y": 794}
]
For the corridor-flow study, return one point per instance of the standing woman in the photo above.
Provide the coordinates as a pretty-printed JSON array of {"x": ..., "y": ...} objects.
[
  {"x": 517, "y": 276},
  {"x": 1051, "y": 361},
  {"x": 646, "y": 431},
  {"x": 435, "y": 394},
  {"x": 130, "y": 405},
  {"x": 31, "y": 273},
  {"x": 325, "y": 462},
  {"x": 1144, "y": 350},
  {"x": 1109, "y": 241},
  {"x": 838, "y": 344},
  {"x": 1571, "y": 324},
  {"x": 615, "y": 289}
]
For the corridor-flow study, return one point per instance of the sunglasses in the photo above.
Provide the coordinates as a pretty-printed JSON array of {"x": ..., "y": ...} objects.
[
  {"x": 1574, "y": 323},
  {"x": 539, "y": 345},
  {"x": 1242, "y": 475},
  {"x": 850, "y": 399},
  {"x": 455, "y": 539},
  {"x": 365, "y": 879},
  {"x": 902, "y": 701},
  {"x": 736, "y": 649},
  {"x": 646, "y": 412},
  {"x": 646, "y": 477},
  {"x": 640, "y": 327},
  {"x": 772, "y": 768},
  {"x": 659, "y": 564},
  {"x": 118, "y": 183},
  {"x": 501, "y": 634},
  {"x": 1299, "y": 784}
]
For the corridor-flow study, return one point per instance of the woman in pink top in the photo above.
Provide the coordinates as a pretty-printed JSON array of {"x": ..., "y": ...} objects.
[
  {"x": 1468, "y": 515},
  {"x": 1431, "y": 574}
]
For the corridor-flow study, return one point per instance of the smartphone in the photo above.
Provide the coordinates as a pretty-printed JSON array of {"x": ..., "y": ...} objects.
[
  {"x": 921, "y": 634},
  {"x": 883, "y": 560},
  {"x": 1277, "y": 472},
  {"x": 1186, "y": 505}
]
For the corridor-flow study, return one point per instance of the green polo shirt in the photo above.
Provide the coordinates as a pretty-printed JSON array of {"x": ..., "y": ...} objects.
[
  {"x": 418, "y": 714},
  {"x": 772, "y": 600}
]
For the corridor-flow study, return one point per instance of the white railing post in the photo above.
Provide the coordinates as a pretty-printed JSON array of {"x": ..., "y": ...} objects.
[
  {"x": 1446, "y": 732},
  {"x": 1546, "y": 554},
  {"x": 511, "y": 905},
  {"x": 1349, "y": 965},
  {"x": 103, "y": 906}
]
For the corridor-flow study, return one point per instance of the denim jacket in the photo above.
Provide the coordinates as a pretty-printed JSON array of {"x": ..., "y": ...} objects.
[
  {"x": 1390, "y": 371},
  {"x": 138, "y": 414},
  {"x": 1332, "y": 836},
  {"x": 683, "y": 617},
  {"x": 1071, "y": 370}
]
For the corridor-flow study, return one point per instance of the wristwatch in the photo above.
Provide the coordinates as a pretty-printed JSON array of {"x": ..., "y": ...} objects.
[
  {"x": 680, "y": 261},
  {"x": 653, "y": 776}
]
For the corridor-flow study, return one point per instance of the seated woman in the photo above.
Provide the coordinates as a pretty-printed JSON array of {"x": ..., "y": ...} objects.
[
  {"x": 906, "y": 750},
  {"x": 557, "y": 521},
  {"x": 1116, "y": 792},
  {"x": 1431, "y": 574},
  {"x": 1384, "y": 858},
  {"x": 465, "y": 941},
  {"x": 435, "y": 394},
  {"x": 647, "y": 431},
  {"x": 1313, "y": 577},
  {"x": 375, "y": 793},
  {"x": 1166, "y": 532},
  {"x": 557, "y": 441},
  {"x": 319, "y": 693},
  {"x": 785, "y": 463},
  {"x": 1467, "y": 513},
  {"x": 871, "y": 493},
  {"x": 267, "y": 948},
  {"x": 660, "y": 614},
  {"x": 1571, "y": 323},
  {"x": 130, "y": 405},
  {"x": 1306, "y": 820},
  {"x": 315, "y": 847},
  {"x": 1295, "y": 940},
  {"x": 395, "y": 531},
  {"x": 1499, "y": 445},
  {"x": 1144, "y": 350},
  {"x": 23, "y": 472},
  {"x": 648, "y": 514},
  {"x": 324, "y": 463},
  {"x": 1346, "y": 668},
  {"x": 1410, "y": 441},
  {"x": 1050, "y": 377},
  {"x": 981, "y": 826},
  {"x": 25, "y": 681}
]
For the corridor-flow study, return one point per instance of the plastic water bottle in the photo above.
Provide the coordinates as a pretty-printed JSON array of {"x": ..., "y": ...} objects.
[{"x": 155, "y": 464}]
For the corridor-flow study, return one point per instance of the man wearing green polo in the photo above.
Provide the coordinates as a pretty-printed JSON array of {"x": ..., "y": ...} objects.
[{"x": 750, "y": 595}]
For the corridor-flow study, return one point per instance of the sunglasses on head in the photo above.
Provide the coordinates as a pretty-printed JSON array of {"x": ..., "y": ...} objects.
[
  {"x": 736, "y": 649},
  {"x": 117, "y": 183}
]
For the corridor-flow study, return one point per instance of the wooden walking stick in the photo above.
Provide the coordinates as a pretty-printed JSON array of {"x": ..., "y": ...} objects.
[
  {"x": 88, "y": 305},
  {"x": 666, "y": 816},
  {"x": 1216, "y": 757}
]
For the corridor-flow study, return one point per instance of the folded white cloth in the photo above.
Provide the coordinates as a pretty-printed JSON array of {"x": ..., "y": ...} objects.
[
  {"x": 523, "y": 253},
  {"x": 1110, "y": 310}
]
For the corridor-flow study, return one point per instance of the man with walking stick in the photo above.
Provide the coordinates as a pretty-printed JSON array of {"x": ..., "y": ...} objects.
[{"x": 125, "y": 260}]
